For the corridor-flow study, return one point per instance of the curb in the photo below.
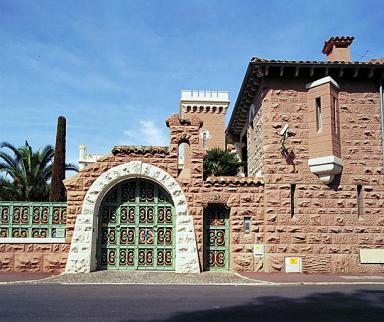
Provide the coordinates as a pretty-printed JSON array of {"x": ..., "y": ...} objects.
[
  {"x": 25, "y": 281},
  {"x": 247, "y": 282},
  {"x": 251, "y": 279},
  {"x": 258, "y": 283},
  {"x": 229, "y": 284}
]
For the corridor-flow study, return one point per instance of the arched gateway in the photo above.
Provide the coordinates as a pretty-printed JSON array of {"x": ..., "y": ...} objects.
[
  {"x": 160, "y": 240},
  {"x": 136, "y": 227}
]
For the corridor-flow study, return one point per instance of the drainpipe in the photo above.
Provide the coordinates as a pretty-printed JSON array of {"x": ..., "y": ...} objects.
[{"x": 382, "y": 119}]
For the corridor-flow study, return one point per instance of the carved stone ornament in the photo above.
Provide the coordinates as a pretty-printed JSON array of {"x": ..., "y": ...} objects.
[{"x": 214, "y": 198}]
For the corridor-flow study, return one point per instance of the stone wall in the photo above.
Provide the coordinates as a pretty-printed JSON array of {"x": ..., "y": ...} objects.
[
  {"x": 50, "y": 258},
  {"x": 255, "y": 143},
  {"x": 326, "y": 229},
  {"x": 244, "y": 197}
]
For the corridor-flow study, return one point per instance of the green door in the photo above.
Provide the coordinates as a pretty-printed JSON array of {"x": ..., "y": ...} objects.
[
  {"x": 216, "y": 239},
  {"x": 136, "y": 227}
]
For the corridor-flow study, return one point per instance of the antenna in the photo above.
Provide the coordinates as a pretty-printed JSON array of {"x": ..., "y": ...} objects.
[{"x": 365, "y": 54}]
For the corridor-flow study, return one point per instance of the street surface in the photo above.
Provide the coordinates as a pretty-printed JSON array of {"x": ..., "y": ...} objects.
[{"x": 54, "y": 302}]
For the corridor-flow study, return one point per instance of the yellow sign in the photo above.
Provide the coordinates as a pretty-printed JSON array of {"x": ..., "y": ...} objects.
[
  {"x": 258, "y": 250},
  {"x": 294, "y": 261}
]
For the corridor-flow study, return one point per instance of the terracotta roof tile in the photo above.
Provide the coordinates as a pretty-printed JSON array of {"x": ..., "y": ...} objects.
[
  {"x": 318, "y": 62},
  {"x": 344, "y": 41},
  {"x": 377, "y": 60},
  {"x": 240, "y": 181},
  {"x": 139, "y": 149}
]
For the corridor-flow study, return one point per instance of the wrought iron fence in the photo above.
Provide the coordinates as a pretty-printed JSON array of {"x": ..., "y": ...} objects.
[{"x": 32, "y": 219}]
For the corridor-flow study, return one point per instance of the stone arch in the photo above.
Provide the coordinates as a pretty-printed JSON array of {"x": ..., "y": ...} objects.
[{"x": 82, "y": 254}]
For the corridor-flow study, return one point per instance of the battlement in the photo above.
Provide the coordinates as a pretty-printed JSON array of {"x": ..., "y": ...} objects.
[
  {"x": 193, "y": 101},
  {"x": 205, "y": 96}
]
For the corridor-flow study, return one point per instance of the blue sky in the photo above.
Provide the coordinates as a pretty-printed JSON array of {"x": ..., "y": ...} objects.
[{"x": 115, "y": 68}]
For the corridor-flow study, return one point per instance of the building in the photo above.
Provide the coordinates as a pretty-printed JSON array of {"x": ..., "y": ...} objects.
[
  {"x": 314, "y": 131},
  {"x": 310, "y": 198}
]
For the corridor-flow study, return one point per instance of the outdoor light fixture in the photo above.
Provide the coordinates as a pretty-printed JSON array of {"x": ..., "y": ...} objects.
[
  {"x": 283, "y": 137},
  {"x": 247, "y": 225}
]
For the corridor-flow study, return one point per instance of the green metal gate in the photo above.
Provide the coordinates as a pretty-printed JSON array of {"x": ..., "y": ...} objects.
[
  {"x": 216, "y": 238},
  {"x": 136, "y": 227}
]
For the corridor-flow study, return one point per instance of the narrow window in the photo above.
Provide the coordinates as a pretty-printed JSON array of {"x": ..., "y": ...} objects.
[
  {"x": 184, "y": 159},
  {"x": 205, "y": 136},
  {"x": 181, "y": 156},
  {"x": 359, "y": 201},
  {"x": 319, "y": 120},
  {"x": 335, "y": 120},
  {"x": 205, "y": 142},
  {"x": 244, "y": 154},
  {"x": 293, "y": 189}
]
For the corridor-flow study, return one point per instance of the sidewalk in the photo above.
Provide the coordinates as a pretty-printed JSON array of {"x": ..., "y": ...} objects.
[
  {"x": 299, "y": 278},
  {"x": 205, "y": 278}
]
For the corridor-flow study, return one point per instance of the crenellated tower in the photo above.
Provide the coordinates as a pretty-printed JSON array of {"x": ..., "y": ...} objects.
[{"x": 210, "y": 107}]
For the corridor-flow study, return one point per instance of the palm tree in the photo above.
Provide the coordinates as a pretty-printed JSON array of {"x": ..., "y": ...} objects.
[
  {"x": 7, "y": 190},
  {"x": 26, "y": 173},
  {"x": 219, "y": 162}
]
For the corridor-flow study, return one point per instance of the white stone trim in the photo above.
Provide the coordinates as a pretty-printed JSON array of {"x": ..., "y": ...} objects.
[
  {"x": 371, "y": 256},
  {"x": 321, "y": 81},
  {"x": 206, "y": 96},
  {"x": 12, "y": 240},
  {"x": 85, "y": 158},
  {"x": 326, "y": 167},
  {"x": 82, "y": 254},
  {"x": 325, "y": 160}
]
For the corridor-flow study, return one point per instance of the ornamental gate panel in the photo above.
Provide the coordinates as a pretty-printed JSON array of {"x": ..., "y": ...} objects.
[
  {"x": 136, "y": 227},
  {"x": 21, "y": 219},
  {"x": 216, "y": 238}
]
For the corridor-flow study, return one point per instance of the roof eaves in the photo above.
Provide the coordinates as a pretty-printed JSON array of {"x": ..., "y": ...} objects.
[
  {"x": 240, "y": 95},
  {"x": 262, "y": 61}
]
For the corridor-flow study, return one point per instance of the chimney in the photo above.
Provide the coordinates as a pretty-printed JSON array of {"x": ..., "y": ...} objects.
[{"x": 337, "y": 48}]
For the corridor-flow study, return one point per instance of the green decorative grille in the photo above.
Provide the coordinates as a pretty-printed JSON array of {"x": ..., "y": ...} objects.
[
  {"x": 32, "y": 219},
  {"x": 136, "y": 228},
  {"x": 216, "y": 238}
]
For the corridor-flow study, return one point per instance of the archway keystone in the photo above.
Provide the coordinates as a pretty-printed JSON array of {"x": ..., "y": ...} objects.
[{"x": 82, "y": 254}]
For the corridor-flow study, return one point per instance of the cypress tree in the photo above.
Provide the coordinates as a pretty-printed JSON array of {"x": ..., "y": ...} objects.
[{"x": 57, "y": 192}]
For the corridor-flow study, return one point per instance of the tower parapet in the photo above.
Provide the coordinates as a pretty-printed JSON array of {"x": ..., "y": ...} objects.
[
  {"x": 210, "y": 107},
  {"x": 203, "y": 101}
]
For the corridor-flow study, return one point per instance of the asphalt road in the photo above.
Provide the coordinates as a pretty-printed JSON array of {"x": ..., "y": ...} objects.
[{"x": 191, "y": 303}]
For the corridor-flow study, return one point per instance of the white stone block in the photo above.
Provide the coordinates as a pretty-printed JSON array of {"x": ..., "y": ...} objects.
[{"x": 84, "y": 219}]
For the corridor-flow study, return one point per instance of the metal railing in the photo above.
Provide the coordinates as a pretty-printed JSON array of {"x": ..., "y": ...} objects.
[{"x": 32, "y": 220}]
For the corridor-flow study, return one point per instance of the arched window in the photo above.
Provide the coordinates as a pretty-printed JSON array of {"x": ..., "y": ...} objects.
[
  {"x": 184, "y": 159},
  {"x": 204, "y": 137}
]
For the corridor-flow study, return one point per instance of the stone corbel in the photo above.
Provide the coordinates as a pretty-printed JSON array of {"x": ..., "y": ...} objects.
[{"x": 326, "y": 167}]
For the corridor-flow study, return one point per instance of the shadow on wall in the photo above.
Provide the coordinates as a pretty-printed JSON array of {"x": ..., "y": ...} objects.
[
  {"x": 318, "y": 307},
  {"x": 334, "y": 185}
]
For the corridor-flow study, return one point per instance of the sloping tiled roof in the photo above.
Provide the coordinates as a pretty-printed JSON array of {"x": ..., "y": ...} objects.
[
  {"x": 318, "y": 62},
  {"x": 343, "y": 41},
  {"x": 376, "y": 60},
  {"x": 139, "y": 149}
]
